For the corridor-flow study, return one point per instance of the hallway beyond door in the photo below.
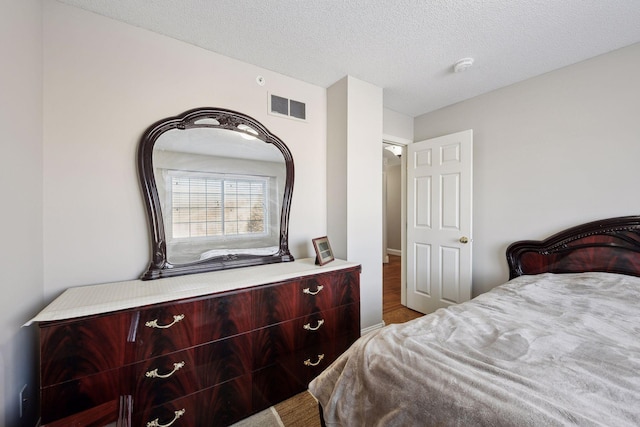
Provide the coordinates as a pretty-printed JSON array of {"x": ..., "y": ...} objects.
[{"x": 392, "y": 310}]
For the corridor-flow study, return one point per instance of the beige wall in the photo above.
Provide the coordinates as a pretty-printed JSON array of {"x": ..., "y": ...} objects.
[
  {"x": 105, "y": 83},
  {"x": 550, "y": 152},
  {"x": 21, "y": 213}
]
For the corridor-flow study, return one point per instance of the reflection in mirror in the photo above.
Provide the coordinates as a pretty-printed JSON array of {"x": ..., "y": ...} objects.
[
  {"x": 218, "y": 189},
  {"x": 218, "y": 199}
]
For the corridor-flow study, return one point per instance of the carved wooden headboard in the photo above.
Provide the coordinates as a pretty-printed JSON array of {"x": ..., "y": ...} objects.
[{"x": 610, "y": 245}]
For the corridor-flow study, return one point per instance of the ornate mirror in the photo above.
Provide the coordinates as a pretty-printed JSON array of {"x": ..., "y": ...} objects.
[{"x": 217, "y": 186}]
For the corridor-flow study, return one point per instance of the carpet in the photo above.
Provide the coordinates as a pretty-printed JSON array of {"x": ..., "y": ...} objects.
[
  {"x": 400, "y": 315},
  {"x": 300, "y": 410}
]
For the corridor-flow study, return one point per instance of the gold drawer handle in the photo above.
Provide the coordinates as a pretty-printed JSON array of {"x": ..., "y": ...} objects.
[
  {"x": 156, "y": 423},
  {"x": 309, "y": 328},
  {"x": 154, "y": 323},
  {"x": 155, "y": 374},
  {"x": 308, "y": 291},
  {"x": 308, "y": 362}
]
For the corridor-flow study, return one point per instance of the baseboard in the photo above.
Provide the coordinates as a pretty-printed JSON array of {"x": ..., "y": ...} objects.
[
  {"x": 396, "y": 252},
  {"x": 372, "y": 328}
]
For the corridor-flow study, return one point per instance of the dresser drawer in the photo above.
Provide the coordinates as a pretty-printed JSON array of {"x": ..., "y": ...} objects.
[
  {"x": 308, "y": 363},
  {"x": 287, "y": 301},
  {"x": 166, "y": 328},
  {"x": 274, "y": 342},
  {"x": 78, "y": 395},
  {"x": 152, "y": 382},
  {"x": 216, "y": 406},
  {"x": 76, "y": 348},
  {"x": 274, "y": 384},
  {"x": 166, "y": 378},
  {"x": 79, "y": 348},
  {"x": 97, "y": 416},
  {"x": 292, "y": 372}
]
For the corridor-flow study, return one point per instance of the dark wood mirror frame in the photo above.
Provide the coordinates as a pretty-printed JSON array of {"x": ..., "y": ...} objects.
[{"x": 160, "y": 267}]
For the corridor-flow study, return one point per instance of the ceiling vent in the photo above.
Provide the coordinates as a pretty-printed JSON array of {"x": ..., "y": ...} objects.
[{"x": 287, "y": 107}]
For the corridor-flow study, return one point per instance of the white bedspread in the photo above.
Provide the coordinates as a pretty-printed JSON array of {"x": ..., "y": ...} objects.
[{"x": 538, "y": 351}]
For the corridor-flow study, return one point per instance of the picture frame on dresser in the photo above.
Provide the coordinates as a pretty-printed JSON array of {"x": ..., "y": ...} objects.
[{"x": 324, "y": 254}]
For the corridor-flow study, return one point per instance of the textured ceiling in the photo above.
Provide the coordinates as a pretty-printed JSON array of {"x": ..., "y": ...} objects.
[{"x": 406, "y": 47}]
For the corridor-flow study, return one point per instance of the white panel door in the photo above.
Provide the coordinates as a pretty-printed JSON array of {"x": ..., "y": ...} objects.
[{"x": 439, "y": 199}]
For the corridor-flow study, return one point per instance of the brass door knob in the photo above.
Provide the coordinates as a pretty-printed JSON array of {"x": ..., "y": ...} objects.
[{"x": 464, "y": 239}]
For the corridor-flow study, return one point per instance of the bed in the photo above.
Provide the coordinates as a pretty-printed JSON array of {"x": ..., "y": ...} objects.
[{"x": 558, "y": 344}]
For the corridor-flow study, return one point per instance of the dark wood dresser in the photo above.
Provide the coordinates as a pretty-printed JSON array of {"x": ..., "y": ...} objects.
[{"x": 204, "y": 353}]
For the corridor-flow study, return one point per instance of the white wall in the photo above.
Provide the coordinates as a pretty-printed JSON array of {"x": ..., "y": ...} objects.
[
  {"x": 337, "y": 166},
  {"x": 105, "y": 82},
  {"x": 354, "y": 185},
  {"x": 21, "y": 213},
  {"x": 393, "y": 174},
  {"x": 397, "y": 126},
  {"x": 550, "y": 152}
]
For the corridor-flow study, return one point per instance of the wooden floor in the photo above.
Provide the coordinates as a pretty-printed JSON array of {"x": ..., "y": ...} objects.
[{"x": 392, "y": 310}]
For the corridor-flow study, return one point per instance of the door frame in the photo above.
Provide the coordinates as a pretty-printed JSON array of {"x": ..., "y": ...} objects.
[{"x": 403, "y": 142}]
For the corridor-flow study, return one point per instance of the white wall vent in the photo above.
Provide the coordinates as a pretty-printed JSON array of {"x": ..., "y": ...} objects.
[{"x": 281, "y": 106}]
